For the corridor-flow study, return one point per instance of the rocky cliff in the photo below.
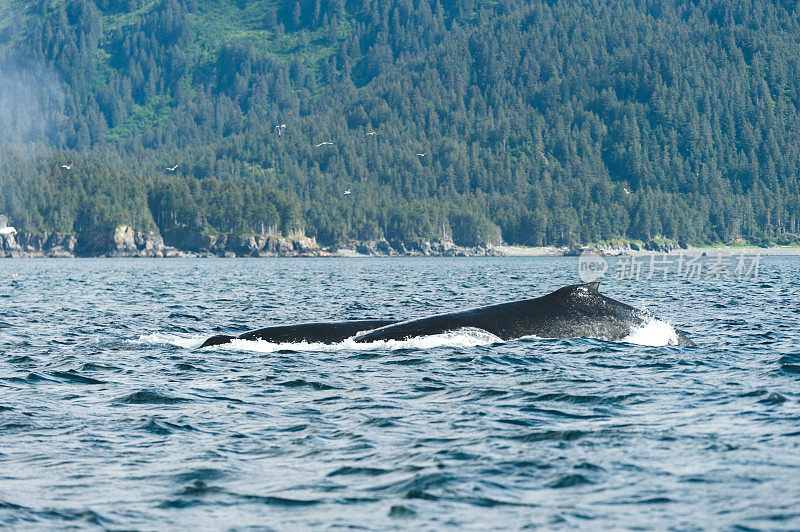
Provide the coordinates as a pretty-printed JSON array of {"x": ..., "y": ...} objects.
[
  {"x": 37, "y": 245},
  {"x": 124, "y": 241},
  {"x": 422, "y": 248},
  {"x": 232, "y": 245}
]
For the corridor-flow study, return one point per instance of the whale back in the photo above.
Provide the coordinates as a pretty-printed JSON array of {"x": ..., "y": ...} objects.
[
  {"x": 577, "y": 311},
  {"x": 571, "y": 311},
  {"x": 323, "y": 332}
]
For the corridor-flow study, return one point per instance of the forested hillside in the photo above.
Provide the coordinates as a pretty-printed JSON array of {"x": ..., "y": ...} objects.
[{"x": 538, "y": 122}]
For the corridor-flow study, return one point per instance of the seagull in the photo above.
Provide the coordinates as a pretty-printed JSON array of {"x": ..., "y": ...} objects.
[
  {"x": 422, "y": 154},
  {"x": 627, "y": 191},
  {"x": 280, "y": 129},
  {"x": 347, "y": 192},
  {"x": 370, "y": 133},
  {"x": 324, "y": 144},
  {"x": 67, "y": 166},
  {"x": 173, "y": 168}
]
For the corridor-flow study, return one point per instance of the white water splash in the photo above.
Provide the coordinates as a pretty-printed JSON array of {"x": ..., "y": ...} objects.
[
  {"x": 467, "y": 337},
  {"x": 171, "y": 339},
  {"x": 653, "y": 333}
]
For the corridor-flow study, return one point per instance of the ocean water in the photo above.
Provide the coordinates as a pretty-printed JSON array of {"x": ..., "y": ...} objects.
[{"x": 111, "y": 418}]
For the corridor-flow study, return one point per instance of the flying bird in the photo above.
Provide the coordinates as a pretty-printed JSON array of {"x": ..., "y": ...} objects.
[
  {"x": 324, "y": 144},
  {"x": 173, "y": 168},
  {"x": 422, "y": 154},
  {"x": 370, "y": 133},
  {"x": 347, "y": 192},
  {"x": 67, "y": 166},
  {"x": 627, "y": 191},
  {"x": 281, "y": 128}
]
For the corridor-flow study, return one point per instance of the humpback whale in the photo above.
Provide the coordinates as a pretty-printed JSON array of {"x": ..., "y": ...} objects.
[{"x": 578, "y": 310}]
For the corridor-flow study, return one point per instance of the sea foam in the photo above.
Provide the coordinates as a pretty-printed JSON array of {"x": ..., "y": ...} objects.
[{"x": 654, "y": 332}]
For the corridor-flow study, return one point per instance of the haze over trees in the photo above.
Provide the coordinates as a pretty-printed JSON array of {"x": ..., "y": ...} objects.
[{"x": 543, "y": 122}]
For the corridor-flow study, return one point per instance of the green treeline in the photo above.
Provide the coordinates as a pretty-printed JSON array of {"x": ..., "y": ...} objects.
[{"x": 541, "y": 122}]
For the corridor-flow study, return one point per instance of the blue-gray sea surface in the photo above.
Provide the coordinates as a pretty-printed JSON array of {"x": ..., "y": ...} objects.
[{"x": 110, "y": 417}]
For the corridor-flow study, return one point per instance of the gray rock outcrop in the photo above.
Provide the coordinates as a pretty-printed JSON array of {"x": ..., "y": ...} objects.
[{"x": 48, "y": 244}]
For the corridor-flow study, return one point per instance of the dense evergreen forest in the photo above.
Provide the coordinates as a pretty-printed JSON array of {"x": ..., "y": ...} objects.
[{"x": 535, "y": 122}]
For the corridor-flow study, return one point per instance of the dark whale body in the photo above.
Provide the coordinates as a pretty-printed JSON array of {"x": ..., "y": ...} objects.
[
  {"x": 323, "y": 333},
  {"x": 572, "y": 311}
]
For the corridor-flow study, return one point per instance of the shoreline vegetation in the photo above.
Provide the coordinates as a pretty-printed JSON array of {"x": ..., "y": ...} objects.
[
  {"x": 533, "y": 123},
  {"x": 124, "y": 241}
]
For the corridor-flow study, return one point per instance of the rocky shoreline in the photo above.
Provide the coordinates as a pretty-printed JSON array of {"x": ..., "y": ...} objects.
[{"x": 124, "y": 241}]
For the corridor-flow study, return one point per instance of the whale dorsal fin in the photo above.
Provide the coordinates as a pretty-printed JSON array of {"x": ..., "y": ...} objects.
[
  {"x": 579, "y": 289},
  {"x": 594, "y": 286}
]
